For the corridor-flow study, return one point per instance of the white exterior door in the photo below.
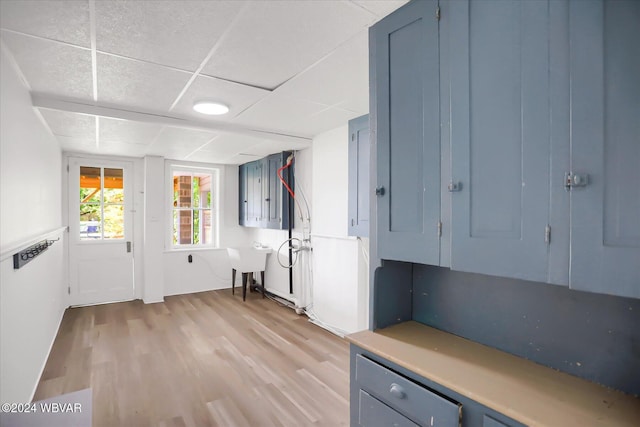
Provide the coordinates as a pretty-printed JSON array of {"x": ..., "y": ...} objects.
[{"x": 100, "y": 231}]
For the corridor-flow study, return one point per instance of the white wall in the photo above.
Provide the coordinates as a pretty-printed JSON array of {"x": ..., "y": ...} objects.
[
  {"x": 340, "y": 282},
  {"x": 32, "y": 299}
]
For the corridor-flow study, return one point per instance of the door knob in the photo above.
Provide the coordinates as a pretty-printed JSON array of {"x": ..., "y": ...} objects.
[{"x": 380, "y": 191}]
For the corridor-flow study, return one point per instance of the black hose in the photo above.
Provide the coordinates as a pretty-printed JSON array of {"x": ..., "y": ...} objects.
[{"x": 290, "y": 208}]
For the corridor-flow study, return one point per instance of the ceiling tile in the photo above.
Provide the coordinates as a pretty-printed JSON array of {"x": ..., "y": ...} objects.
[
  {"x": 123, "y": 149},
  {"x": 275, "y": 40},
  {"x": 176, "y": 142},
  {"x": 52, "y": 67},
  {"x": 66, "y": 21},
  {"x": 127, "y": 132},
  {"x": 175, "y": 33},
  {"x": 341, "y": 78},
  {"x": 236, "y": 96},
  {"x": 138, "y": 84},
  {"x": 322, "y": 121},
  {"x": 279, "y": 113},
  {"x": 71, "y": 125},
  {"x": 80, "y": 145}
]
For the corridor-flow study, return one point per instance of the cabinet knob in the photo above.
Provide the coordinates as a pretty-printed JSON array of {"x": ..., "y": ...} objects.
[
  {"x": 380, "y": 191},
  {"x": 454, "y": 186},
  {"x": 267, "y": 200},
  {"x": 397, "y": 391}
]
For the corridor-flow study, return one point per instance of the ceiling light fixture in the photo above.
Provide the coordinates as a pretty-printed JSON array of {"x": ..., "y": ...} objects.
[{"x": 211, "y": 108}]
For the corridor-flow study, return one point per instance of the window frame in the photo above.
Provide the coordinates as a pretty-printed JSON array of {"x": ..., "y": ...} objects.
[{"x": 214, "y": 172}]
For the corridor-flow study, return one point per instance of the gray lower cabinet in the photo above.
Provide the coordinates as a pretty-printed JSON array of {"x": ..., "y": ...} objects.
[
  {"x": 385, "y": 394},
  {"x": 408, "y": 133},
  {"x": 359, "y": 187}
]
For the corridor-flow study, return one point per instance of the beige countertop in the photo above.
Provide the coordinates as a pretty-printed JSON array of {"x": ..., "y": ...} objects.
[{"x": 518, "y": 388}]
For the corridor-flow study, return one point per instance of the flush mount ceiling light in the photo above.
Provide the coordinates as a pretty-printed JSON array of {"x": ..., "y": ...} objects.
[{"x": 211, "y": 108}]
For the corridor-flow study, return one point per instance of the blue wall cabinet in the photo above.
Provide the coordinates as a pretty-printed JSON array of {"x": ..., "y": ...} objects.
[
  {"x": 359, "y": 188},
  {"x": 500, "y": 137},
  {"x": 408, "y": 133},
  {"x": 605, "y": 147},
  {"x": 263, "y": 200}
]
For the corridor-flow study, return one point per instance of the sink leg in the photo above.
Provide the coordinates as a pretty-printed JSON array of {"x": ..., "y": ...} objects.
[
  {"x": 244, "y": 285},
  {"x": 233, "y": 281},
  {"x": 262, "y": 282}
]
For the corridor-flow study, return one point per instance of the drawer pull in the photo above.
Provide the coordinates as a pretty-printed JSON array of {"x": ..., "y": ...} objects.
[{"x": 397, "y": 391}]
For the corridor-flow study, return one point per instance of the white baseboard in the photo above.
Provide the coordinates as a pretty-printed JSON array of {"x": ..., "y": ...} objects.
[{"x": 46, "y": 359}]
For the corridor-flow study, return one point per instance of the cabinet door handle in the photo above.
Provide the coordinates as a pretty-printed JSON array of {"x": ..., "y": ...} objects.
[
  {"x": 397, "y": 391},
  {"x": 380, "y": 191}
]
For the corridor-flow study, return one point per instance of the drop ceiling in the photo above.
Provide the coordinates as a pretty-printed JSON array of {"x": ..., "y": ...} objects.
[{"x": 120, "y": 77}]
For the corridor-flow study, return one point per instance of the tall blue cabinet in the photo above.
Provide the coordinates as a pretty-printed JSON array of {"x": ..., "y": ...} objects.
[{"x": 408, "y": 133}]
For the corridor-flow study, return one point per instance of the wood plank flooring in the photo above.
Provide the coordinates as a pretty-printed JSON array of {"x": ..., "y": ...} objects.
[{"x": 204, "y": 359}]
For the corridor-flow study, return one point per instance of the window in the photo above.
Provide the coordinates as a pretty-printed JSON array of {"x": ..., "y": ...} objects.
[
  {"x": 194, "y": 208},
  {"x": 101, "y": 203}
]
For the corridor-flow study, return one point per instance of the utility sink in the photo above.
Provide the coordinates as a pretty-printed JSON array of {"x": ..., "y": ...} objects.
[{"x": 248, "y": 259}]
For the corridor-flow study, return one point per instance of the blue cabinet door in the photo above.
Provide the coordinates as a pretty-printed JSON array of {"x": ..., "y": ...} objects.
[
  {"x": 359, "y": 188},
  {"x": 254, "y": 194},
  {"x": 605, "y": 146},
  {"x": 500, "y": 137},
  {"x": 272, "y": 194},
  {"x": 407, "y": 125},
  {"x": 242, "y": 194}
]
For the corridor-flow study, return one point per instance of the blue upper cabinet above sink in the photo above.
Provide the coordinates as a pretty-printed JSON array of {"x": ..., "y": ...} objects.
[{"x": 262, "y": 199}]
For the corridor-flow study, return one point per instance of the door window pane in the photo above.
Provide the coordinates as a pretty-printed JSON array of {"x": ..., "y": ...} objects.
[
  {"x": 101, "y": 203},
  {"x": 114, "y": 222}
]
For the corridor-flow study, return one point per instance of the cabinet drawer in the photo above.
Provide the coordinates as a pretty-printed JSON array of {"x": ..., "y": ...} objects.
[
  {"x": 374, "y": 413},
  {"x": 414, "y": 401}
]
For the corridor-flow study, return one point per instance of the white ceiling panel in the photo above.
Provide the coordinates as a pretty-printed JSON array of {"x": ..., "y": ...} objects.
[
  {"x": 71, "y": 125},
  {"x": 179, "y": 34},
  {"x": 52, "y": 67},
  {"x": 139, "y": 84},
  {"x": 322, "y": 121},
  {"x": 236, "y": 96},
  {"x": 127, "y": 132},
  {"x": 178, "y": 142},
  {"x": 279, "y": 113},
  {"x": 341, "y": 78},
  {"x": 230, "y": 144},
  {"x": 66, "y": 21},
  {"x": 275, "y": 40},
  {"x": 381, "y": 8},
  {"x": 81, "y": 145},
  {"x": 123, "y": 149}
]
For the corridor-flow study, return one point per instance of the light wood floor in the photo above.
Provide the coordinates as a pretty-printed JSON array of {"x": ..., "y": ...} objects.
[{"x": 205, "y": 359}]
